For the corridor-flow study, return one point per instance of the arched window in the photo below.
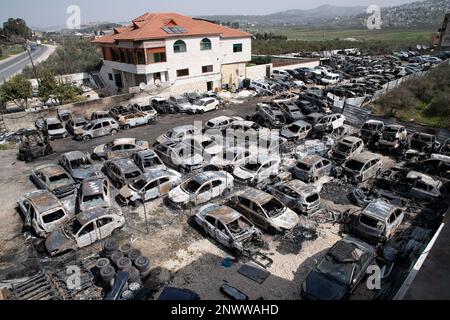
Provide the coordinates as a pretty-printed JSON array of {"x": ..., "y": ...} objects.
[
  {"x": 179, "y": 46},
  {"x": 205, "y": 44}
]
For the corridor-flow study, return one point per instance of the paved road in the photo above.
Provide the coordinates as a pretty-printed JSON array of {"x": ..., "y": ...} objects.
[{"x": 19, "y": 62}]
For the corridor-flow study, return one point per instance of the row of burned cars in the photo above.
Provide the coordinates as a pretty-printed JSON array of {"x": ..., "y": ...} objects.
[{"x": 243, "y": 178}]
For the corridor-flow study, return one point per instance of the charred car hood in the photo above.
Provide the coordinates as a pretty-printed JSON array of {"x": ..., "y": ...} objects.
[
  {"x": 177, "y": 195},
  {"x": 128, "y": 192},
  {"x": 242, "y": 174},
  {"x": 56, "y": 132},
  {"x": 287, "y": 220},
  {"x": 81, "y": 174},
  {"x": 287, "y": 133},
  {"x": 192, "y": 161},
  {"x": 320, "y": 287},
  {"x": 57, "y": 241}
]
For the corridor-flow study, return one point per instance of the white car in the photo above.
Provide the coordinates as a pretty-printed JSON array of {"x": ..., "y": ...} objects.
[
  {"x": 330, "y": 78},
  {"x": 150, "y": 185},
  {"x": 258, "y": 169},
  {"x": 221, "y": 122},
  {"x": 204, "y": 105},
  {"x": 176, "y": 134},
  {"x": 281, "y": 75},
  {"x": 201, "y": 188},
  {"x": 330, "y": 122},
  {"x": 184, "y": 159},
  {"x": 94, "y": 193},
  {"x": 55, "y": 128},
  {"x": 42, "y": 211},
  {"x": 202, "y": 144}
]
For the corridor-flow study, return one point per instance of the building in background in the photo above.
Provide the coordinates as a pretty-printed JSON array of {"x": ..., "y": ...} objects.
[
  {"x": 168, "y": 49},
  {"x": 444, "y": 32}
]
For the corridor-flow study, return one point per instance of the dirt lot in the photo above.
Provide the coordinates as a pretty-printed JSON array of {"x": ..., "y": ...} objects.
[{"x": 172, "y": 244}]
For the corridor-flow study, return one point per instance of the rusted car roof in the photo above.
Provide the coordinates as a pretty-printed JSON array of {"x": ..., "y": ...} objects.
[
  {"x": 92, "y": 186},
  {"x": 424, "y": 178},
  {"x": 365, "y": 156},
  {"x": 43, "y": 200},
  {"x": 311, "y": 159},
  {"x": 125, "y": 164},
  {"x": 208, "y": 176},
  {"x": 119, "y": 141},
  {"x": 50, "y": 170},
  {"x": 224, "y": 214},
  {"x": 256, "y": 195},
  {"x": 86, "y": 216}
]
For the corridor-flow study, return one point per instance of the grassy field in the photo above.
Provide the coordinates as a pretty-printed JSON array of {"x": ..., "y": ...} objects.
[
  {"x": 8, "y": 51},
  {"x": 306, "y": 34}
]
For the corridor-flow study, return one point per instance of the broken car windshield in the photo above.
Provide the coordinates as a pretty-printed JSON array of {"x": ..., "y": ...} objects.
[{"x": 342, "y": 272}]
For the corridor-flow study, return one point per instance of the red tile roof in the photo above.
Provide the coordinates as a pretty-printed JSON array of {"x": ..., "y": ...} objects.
[{"x": 150, "y": 26}]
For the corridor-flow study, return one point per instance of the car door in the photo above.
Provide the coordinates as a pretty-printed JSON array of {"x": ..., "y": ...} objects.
[
  {"x": 326, "y": 167},
  {"x": 260, "y": 217},
  {"x": 165, "y": 184},
  {"x": 87, "y": 234},
  {"x": 367, "y": 170},
  {"x": 204, "y": 193},
  {"x": 105, "y": 227},
  {"x": 106, "y": 127},
  {"x": 152, "y": 190},
  {"x": 217, "y": 187},
  {"x": 209, "y": 225},
  {"x": 222, "y": 235},
  {"x": 97, "y": 130}
]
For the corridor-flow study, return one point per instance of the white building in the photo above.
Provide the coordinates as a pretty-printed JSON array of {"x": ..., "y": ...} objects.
[{"x": 168, "y": 49}]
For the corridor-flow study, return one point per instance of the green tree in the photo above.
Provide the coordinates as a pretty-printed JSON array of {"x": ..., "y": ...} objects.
[
  {"x": 18, "y": 89},
  {"x": 68, "y": 93},
  {"x": 47, "y": 85},
  {"x": 16, "y": 28}
]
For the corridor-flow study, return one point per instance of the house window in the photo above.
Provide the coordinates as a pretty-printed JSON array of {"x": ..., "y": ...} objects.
[
  {"x": 110, "y": 76},
  {"x": 115, "y": 55},
  {"x": 179, "y": 46},
  {"x": 182, "y": 72},
  {"x": 140, "y": 57},
  {"x": 130, "y": 57},
  {"x": 237, "y": 47},
  {"x": 122, "y": 56},
  {"x": 205, "y": 44},
  {"x": 159, "y": 57},
  {"x": 206, "y": 69}
]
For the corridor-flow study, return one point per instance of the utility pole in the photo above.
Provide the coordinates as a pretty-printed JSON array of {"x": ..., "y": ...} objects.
[
  {"x": 145, "y": 210},
  {"x": 32, "y": 63}
]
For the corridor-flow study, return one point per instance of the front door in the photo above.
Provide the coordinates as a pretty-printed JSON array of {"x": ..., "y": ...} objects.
[
  {"x": 118, "y": 80},
  {"x": 87, "y": 235},
  {"x": 209, "y": 86}
]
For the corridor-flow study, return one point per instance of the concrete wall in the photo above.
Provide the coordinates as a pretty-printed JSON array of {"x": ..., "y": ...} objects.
[
  {"x": 258, "y": 72},
  {"x": 306, "y": 64},
  {"x": 16, "y": 121}
]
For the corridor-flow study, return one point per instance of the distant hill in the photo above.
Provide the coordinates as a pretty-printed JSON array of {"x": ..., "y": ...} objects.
[{"x": 428, "y": 13}]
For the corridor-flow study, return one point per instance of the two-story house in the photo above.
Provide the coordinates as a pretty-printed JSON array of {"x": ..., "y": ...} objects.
[{"x": 171, "y": 49}]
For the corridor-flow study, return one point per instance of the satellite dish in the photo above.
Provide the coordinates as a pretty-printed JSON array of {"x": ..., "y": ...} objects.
[
  {"x": 142, "y": 86},
  {"x": 419, "y": 47},
  {"x": 158, "y": 82}
]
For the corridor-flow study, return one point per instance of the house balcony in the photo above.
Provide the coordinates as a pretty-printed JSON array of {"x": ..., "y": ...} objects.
[{"x": 138, "y": 68}]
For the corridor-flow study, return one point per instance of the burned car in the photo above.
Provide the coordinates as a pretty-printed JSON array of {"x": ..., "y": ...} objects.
[
  {"x": 180, "y": 157},
  {"x": 148, "y": 161},
  {"x": 296, "y": 195},
  {"x": 161, "y": 105},
  {"x": 119, "y": 148},
  {"x": 268, "y": 117},
  {"x": 55, "y": 128},
  {"x": 445, "y": 148},
  {"x": 94, "y": 193},
  {"x": 42, "y": 211},
  {"x": 84, "y": 229},
  {"x": 55, "y": 179},
  {"x": 97, "y": 128},
  {"x": 424, "y": 142},
  {"x": 393, "y": 137},
  {"x": 76, "y": 123},
  {"x": 201, "y": 188},
  {"x": 221, "y": 123},
  {"x": 79, "y": 165},
  {"x": 416, "y": 185},
  {"x": 330, "y": 122},
  {"x": 363, "y": 166},
  {"x": 339, "y": 272},
  {"x": 264, "y": 210},
  {"x": 145, "y": 108},
  {"x": 180, "y": 104},
  {"x": 121, "y": 171},
  {"x": 258, "y": 169},
  {"x": 371, "y": 131},
  {"x": 312, "y": 168},
  {"x": 345, "y": 148},
  {"x": 176, "y": 134},
  {"x": 135, "y": 119},
  {"x": 378, "y": 221},
  {"x": 229, "y": 228},
  {"x": 314, "y": 118},
  {"x": 290, "y": 111},
  {"x": 33, "y": 145},
  {"x": 100, "y": 115},
  {"x": 149, "y": 186},
  {"x": 297, "y": 130},
  {"x": 308, "y": 107},
  {"x": 230, "y": 158}
]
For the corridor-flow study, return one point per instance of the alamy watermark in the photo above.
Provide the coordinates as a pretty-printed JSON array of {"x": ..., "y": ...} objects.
[{"x": 74, "y": 19}]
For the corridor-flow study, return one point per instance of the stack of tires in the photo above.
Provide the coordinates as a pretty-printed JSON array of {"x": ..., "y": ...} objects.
[{"x": 124, "y": 258}]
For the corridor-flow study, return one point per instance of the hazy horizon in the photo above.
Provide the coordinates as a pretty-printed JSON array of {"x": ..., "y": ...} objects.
[{"x": 52, "y": 13}]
